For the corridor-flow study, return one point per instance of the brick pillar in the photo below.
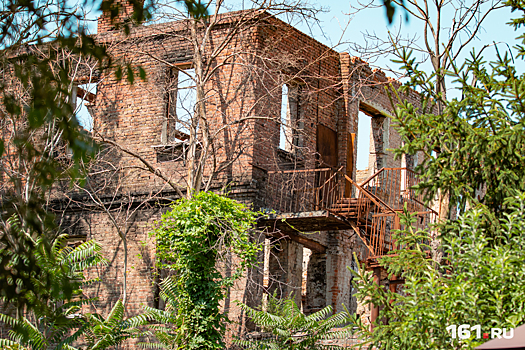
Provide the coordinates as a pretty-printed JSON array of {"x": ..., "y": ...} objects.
[
  {"x": 285, "y": 270},
  {"x": 377, "y": 143},
  {"x": 338, "y": 278},
  {"x": 316, "y": 283},
  {"x": 247, "y": 289}
]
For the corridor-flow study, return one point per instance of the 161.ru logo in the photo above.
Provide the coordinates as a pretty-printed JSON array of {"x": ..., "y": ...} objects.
[{"x": 464, "y": 331}]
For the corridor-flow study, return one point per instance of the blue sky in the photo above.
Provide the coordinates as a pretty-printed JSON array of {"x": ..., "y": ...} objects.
[{"x": 374, "y": 21}]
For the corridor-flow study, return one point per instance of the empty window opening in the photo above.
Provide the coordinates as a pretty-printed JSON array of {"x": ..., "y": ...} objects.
[
  {"x": 291, "y": 125},
  {"x": 84, "y": 96},
  {"x": 181, "y": 100},
  {"x": 352, "y": 306},
  {"x": 304, "y": 287},
  {"x": 266, "y": 271},
  {"x": 363, "y": 140}
]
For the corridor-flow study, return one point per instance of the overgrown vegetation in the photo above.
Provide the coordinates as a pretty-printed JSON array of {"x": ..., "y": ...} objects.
[
  {"x": 284, "y": 326},
  {"x": 193, "y": 238},
  {"x": 56, "y": 322},
  {"x": 479, "y": 283},
  {"x": 474, "y": 155}
]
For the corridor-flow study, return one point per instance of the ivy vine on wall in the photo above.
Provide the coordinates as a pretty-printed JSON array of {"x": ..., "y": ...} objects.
[{"x": 193, "y": 240}]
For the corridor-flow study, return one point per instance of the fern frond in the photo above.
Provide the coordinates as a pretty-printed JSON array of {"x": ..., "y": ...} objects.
[
  {"x": 152, "y": 346},
  {"x": 24, "y": 332},
  {"x": 115, "y": 315},
  {"x": 59, "y": 248},
  {"x": 8, "y": 320},
  {"x": 136, "y": 321},
  {"x": 66, "y": 343},
  {"x": 321, "y": 314},
  {"x": 169, "y": 289},
  {"x": 70, "y": 305},
  {"x": 162, "y": 316},
  {"x": 86, "y": 255}
]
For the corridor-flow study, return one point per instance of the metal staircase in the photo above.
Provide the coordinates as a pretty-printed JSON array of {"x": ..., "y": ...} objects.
[{"x": 326, "y": 199}]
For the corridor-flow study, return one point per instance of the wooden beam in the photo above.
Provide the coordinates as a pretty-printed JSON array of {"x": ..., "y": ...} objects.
[{"x": 308, "y": 243}]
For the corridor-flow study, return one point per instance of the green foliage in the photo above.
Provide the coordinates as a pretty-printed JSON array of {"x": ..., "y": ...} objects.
[
  {"x": 477, "y": 142},
  {"x": 291, "y": 329},
  {"x": 191, "y": 239},
  {"x": 164, "y": 329},
  {"x": 479, "y": 283},
  {"x": 103, "y": 333},
  {"x": 56, "y": 323},
  {"x": 55, "y": 274}
]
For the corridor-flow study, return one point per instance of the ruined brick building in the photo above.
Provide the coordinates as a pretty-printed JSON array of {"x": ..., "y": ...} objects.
[{"x": 279, "y": 133}]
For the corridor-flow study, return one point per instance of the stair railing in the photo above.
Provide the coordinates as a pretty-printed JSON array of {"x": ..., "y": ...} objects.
[
  {"x": 371, "y": 219},
  {"x": 373, "y": 213},
  {"x": 291, "y": 191}
]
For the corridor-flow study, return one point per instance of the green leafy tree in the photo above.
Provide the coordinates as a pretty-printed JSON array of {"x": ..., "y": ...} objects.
[
  {"x": 289, "y": 328},
  {"x": 480, "y": 283},
  {"x": 192, "y": 239},
  {"x": 475, "y": 148},
  {"x": 473, "y": 153}
]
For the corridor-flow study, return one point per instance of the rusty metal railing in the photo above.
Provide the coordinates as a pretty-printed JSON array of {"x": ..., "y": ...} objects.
[
  {"x": 292, "y": 191},
  {"x": 393, "y": 188},
  {"x": 373, "y": 212}
]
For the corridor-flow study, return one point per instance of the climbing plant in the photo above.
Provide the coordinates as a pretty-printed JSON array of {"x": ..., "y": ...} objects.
[{"x": 193, "y": 240}]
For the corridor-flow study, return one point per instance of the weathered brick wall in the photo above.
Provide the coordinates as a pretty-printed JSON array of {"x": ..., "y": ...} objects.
[
  {"x": 297, "y": 59},
  {"x": 140, "y": 265},
  {"x": 133, "y": 114}
]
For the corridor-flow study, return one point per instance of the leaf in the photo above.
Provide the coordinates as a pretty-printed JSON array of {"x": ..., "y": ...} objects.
[
  {"x": 142, "y": 73},
  {"x": 118, "y": 73},
  {"x": 130, "y": 74}
]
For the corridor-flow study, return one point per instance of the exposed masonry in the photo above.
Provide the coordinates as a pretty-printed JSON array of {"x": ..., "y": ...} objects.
[{"x": 334, "y": 88}]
